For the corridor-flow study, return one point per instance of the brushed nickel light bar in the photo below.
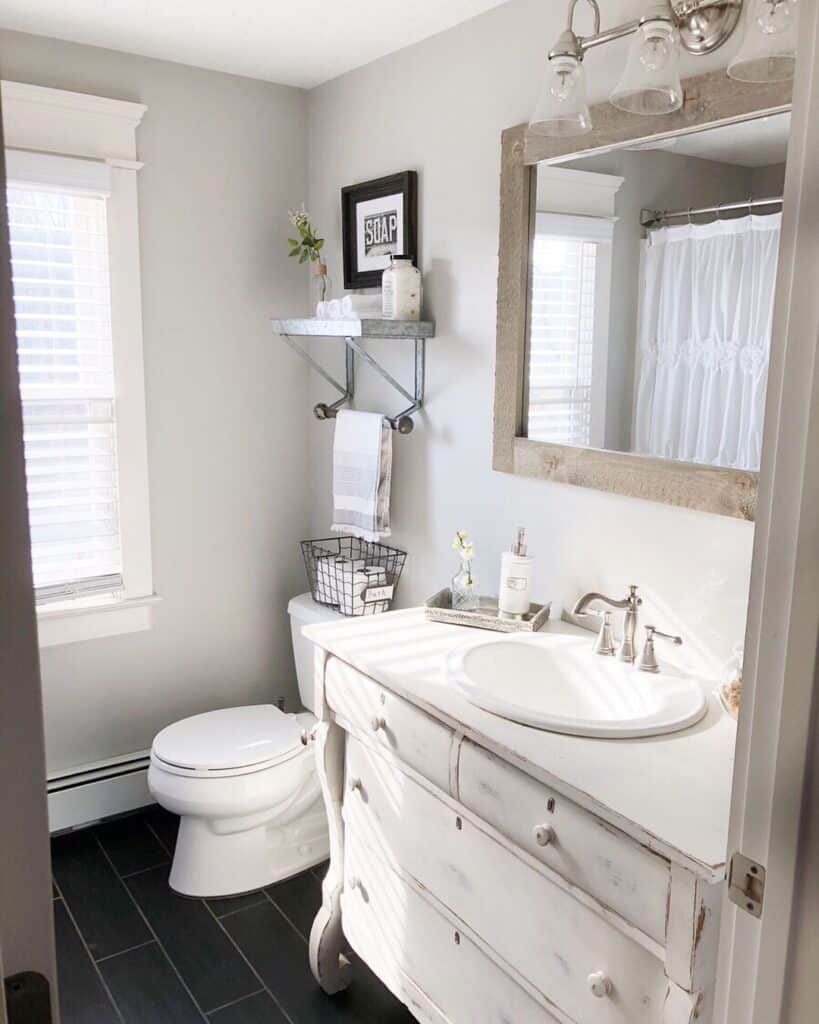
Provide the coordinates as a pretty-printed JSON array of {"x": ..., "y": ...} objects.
[{"x": 650, "y": 83}]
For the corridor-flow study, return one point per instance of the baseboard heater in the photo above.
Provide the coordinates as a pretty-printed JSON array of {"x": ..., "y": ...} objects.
[{"x": 87, "y": 793}]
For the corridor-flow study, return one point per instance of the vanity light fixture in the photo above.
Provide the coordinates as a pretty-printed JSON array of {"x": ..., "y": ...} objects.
[
  {"x": 768, "y": 51},
  {"x": 562, "y": 108},
  {"x": 651, "y": 79},
  {"x": 650, "y": 83}
]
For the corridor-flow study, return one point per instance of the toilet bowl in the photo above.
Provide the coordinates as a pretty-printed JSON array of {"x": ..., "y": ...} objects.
[{"x": 244, "y": 784}]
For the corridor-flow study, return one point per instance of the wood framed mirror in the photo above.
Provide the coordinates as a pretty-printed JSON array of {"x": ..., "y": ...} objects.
[{"x": 637, "y": 266}]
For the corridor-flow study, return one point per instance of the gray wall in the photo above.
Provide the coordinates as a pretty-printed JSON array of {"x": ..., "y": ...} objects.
[
  {"x": 225, "y": 158},
  {"x": 239, "y": 470},
  {"x": 768, "y": 181},
  {"x": 439, "y": 107}
]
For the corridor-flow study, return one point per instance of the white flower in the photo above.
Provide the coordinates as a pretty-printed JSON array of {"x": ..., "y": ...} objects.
[
  {"x": 464, "y": 546},
  {"x": 299, "y": 218}
]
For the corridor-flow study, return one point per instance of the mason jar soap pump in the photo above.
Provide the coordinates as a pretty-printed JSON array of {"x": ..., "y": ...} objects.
[
  {"x": 401, "y": 290},
  {"x": 515, "y": 579}
]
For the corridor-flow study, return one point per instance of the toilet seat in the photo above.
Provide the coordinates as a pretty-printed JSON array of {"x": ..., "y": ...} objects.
[{"x": 232, "y": 741}]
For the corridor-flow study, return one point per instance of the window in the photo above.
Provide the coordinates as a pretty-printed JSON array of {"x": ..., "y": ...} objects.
[
  {"x": 561, "y": 337},
  {"x": 62, "y": 301},
  {"x": 75, "y": 275},
  {"x": 568, "y": 316}
]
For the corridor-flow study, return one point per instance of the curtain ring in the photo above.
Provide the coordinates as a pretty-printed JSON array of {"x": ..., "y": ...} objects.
[
  {"x": 689, "y": 216},
  {"x": 750, "y": 205},
  {"x": 719, "y": 211}
]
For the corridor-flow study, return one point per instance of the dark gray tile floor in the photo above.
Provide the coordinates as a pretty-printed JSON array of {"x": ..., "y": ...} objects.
[{"x": 130, "y": 951}]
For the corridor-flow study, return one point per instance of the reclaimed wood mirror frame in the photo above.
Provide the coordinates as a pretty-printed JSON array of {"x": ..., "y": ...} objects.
[{"x": 711, "y": 100}]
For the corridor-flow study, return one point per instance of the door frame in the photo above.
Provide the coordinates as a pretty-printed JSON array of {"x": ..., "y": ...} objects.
[
  {"x": 783, "y": 615},
  {"x": 26, "y": 923}
]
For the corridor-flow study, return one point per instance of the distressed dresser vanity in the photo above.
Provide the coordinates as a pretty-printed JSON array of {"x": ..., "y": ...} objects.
[{"x": 490, "y": 872}]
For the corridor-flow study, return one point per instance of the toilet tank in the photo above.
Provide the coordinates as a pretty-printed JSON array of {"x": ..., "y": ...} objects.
[{"x": 304, "y": 611}]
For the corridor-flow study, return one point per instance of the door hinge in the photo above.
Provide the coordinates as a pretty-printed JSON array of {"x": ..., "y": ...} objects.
[
  {"x": 28, "y": 998},
  {"x": 746, "y": 884}
]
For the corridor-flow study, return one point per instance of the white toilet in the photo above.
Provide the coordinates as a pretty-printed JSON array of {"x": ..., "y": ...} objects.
[{"x": 244, "y": 783}]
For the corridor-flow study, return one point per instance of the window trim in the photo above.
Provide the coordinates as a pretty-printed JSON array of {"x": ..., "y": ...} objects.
[{"x": 60, "y": 123}]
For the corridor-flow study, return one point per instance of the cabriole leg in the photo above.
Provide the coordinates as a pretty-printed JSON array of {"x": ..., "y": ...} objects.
[{"x": 330, "y": 967}]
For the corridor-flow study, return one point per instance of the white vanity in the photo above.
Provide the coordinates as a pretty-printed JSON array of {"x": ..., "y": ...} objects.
[{"x": 493, "y": 873}]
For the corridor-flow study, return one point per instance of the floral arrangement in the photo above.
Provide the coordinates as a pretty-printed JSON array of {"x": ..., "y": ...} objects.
[
  {"x": 308, "y": 245},
  {"x": 462, "y": 587},
  {"x": 464, "y": 546}
]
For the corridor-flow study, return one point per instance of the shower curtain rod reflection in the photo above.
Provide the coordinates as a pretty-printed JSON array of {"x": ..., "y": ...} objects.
[{"x": 651, "y": 218}]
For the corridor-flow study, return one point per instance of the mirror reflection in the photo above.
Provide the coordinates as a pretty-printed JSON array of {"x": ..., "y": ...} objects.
[{"x": 652, "y": 278}]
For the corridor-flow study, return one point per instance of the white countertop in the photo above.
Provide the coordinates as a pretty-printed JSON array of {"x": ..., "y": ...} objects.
[{"x": 672, "y": 793}]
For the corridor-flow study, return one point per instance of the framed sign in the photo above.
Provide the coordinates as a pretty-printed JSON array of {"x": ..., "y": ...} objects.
[{"x": 378, "y": 218}]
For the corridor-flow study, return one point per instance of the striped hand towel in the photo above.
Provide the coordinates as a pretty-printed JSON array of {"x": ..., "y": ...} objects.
[{"x": 362, "y": 471}]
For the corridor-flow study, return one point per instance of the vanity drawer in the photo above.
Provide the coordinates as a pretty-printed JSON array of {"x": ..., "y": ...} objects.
[
  {"x": 553, "y": 940},
  {"x": 389, "y": 721},
  {"x": 585, "y": 851},
  {"x": 410, "y": 946}
]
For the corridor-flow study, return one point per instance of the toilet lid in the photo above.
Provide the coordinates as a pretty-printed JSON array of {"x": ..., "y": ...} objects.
[{"x": 233, "y": 738}]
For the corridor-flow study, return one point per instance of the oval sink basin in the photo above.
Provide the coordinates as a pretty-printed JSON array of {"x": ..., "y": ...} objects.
[{"x": 557, "y": 683}]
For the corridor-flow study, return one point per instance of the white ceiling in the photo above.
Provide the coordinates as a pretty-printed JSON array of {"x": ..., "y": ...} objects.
[
  {"x": 760, "y": 142},
  {"x": 294, "y": 42},
  {"x": 757, "y": 143}
]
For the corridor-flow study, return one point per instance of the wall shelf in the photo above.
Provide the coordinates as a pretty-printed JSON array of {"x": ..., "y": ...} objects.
[
  {"x": 369, "y": 327},
  {"x": 352, "y": 332}
]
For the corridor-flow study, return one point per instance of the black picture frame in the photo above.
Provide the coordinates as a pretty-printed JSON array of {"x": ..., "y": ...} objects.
[{"x": 404, "y": 184}]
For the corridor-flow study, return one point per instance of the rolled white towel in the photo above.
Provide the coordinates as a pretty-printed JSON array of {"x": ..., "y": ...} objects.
[
  {"x": 334, "y": 309},
  {"x": 353, "y": 307},
  {"x": 321, "y": 310}
]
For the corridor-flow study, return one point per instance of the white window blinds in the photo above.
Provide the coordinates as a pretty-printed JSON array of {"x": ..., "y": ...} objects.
[
  {"x": 562, "y": 327},
  {"x": 60, "y": 276}
]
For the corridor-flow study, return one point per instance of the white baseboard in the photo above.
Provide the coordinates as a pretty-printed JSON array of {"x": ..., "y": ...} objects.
[{"x": 90, "y": 792}]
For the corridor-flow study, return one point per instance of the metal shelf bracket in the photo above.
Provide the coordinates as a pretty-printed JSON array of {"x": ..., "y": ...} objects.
[
  {"x": 403, "y": 422},
  {"x": 323, "y": 411}
]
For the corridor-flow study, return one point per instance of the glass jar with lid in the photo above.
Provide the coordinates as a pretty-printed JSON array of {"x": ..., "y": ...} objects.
[{"x": 401, "y": 290}]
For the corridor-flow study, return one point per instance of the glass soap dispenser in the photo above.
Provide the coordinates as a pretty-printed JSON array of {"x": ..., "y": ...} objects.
[{"x": 401, "y": 290}]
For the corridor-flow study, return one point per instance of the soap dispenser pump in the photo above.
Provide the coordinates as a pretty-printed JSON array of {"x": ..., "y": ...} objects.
[{"x": 515, "y": 579}]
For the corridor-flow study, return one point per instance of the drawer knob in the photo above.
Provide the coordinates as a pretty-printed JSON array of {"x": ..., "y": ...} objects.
[
  {"x": 544, "y": 835},
  {"x": 599, "y": 984},
  {"x": 378, "y": 723}
]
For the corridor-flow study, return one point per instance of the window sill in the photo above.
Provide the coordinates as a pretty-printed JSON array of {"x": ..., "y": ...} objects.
[{"x": 93, "y": 618}]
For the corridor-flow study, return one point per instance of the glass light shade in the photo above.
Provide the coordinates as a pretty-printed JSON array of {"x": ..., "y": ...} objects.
[
  {"x": 768, "y": 51},
  {"x": 562, "y": 109},
  {"x": 651, "y": 80}
]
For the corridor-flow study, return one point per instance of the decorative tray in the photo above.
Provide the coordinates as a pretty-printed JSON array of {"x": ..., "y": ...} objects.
[{"x": 439, "y": 609}]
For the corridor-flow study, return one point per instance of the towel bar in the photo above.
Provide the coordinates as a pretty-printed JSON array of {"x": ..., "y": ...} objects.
[{"x": 351, "y": 331}]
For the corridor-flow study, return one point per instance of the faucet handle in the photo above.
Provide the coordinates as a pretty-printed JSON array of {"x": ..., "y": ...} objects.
[
  {"x": 647, "y": 662},
  {"x": 604, "y": 644}
]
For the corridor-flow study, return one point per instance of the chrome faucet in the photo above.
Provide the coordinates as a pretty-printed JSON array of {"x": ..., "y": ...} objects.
[{"x": 630, "y": 603}]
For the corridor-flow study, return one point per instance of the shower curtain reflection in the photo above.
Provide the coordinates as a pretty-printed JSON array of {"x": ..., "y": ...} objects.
[{"x": 704, "y": 340}]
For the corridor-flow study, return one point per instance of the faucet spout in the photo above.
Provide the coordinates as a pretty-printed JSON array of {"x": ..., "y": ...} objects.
[
  {"x": 631, "y": 602},
  {"x": 583, "y": 602}
]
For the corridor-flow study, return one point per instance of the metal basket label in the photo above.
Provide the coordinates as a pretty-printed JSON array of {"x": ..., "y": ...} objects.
[{"x": 372, "y": 594}]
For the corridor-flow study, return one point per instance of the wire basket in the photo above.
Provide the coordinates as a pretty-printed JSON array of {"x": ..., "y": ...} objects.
[{"x": 355, "y": 576}]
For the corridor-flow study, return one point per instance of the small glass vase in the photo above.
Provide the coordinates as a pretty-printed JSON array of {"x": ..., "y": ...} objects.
[
  {"x": 320, "y": 285},
  {"x": 464, "y": 593}
]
